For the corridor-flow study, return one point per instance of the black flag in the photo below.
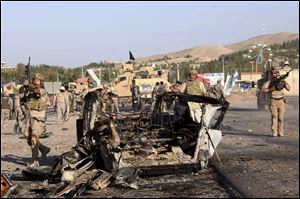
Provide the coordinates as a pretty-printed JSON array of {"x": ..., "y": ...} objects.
[{"x": 131, "y": 56}]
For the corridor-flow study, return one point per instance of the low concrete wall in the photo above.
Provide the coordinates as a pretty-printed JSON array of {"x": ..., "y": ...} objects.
[
  {"x": 293, "y": 80},
  {"x": 250, "y": 76}
]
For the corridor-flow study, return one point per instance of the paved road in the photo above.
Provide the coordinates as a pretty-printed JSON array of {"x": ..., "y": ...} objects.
[{"x": 257, "y": 164}]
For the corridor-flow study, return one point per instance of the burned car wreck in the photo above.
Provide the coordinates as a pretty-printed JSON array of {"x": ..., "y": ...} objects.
[{"x": 120, "y": 147}]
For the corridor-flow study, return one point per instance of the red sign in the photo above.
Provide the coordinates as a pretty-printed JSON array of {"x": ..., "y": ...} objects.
[{"x": 201, "y": 77}]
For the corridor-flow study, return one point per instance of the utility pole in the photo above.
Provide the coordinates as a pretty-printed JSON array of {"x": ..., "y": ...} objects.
[
  {"x": 81, "y": 71},
  {"x": 177, "y": 72},
  {"x": 223, "y": 65},
  {"x": 109, "y": 77}
]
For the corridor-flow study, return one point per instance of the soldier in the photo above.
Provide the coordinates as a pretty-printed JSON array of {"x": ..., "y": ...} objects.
[
  {"x": 180, "y": 106},
  {"x": 71, "y": 100},
  {"x": 91, "y": 83},
  {"x": 135, "y": 96},
  {"x": 19, "y": 106},
  {"x": 194, "y": 87},
  {"x": 217, "y": 90},
  {"x": 80, "y": 100},
  {"x": 105, "y": 99},
  {"x": 18, "y": 112},
  {"x": 277, "y": 103},
  {"x": 68, "y": 98},
  {"x": 162, "y": 89},
  {"x": 155, "y": 89},
  {"x": 154, "y": 93},
  {"x": 11, "y": 108},
  {"x": 115, "y": 100},
  {"x": 37, "y": 103},
  {"x": 6, "y": 103},
  {"x": 61, "y": 104},
  {"x": 172, "y": 75},
  {"x": 77, "y": 100},
  {"x": 74, "y": 102}
]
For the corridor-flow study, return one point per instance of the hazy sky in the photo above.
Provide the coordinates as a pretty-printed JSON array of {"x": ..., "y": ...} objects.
[{"x": 77, "y": 33}]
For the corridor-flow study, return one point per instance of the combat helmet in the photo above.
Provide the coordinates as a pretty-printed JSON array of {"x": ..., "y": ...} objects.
[{"x": 39, "y": 76}]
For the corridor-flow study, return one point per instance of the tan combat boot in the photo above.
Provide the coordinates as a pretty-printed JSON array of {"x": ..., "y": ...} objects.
[{"x": 280, "y": 134}]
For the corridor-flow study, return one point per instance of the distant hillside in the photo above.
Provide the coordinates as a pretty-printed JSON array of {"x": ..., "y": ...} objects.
[
  {"x": 267, "y": 39},
  {"x": 204, "y": 52},
  {"x": 208, "y": 53}
]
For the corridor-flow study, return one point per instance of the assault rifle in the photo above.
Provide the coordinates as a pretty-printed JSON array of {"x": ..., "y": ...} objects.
[
  {"x": 27, "y": 70},
  {"x": 277, "y": 83},
  {"x": 26, "y": 89}
]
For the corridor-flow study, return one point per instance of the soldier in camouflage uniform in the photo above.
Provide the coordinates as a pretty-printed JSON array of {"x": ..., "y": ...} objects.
[
  {"x": 114, "y": 100},
  {"x": 61, "y": 104},
  {"x": 72, "y": 100},
  {"x": 37, "y": 103},
  {"x": 194, "y": 87},
  {"x": 135, "y": 96},
  {"x": 154, "y": 94},
  {"x": 277, "y": 103},
  {"x": 6, "y": 104},
  {"x": 18, "y": 112},
  {"x": 162, "y": 89},
  {"x": 19, "y": 107},
  {"x": 68, "y": 97},
  {"x": 217, "y": 90},
  {"x": 105, "y": 100}
]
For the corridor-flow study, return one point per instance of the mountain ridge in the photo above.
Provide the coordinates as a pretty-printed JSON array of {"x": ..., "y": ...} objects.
[{"x": 210, "y": 52}]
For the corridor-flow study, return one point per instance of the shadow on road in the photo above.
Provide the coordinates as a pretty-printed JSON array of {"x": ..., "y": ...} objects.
[
  {"x": 244, "y": 133},
  {"x": 246, "y": 109},
  {"x": 24, "y": 161}
]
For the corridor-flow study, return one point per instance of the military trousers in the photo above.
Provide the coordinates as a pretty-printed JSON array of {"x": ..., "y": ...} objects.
[
  {"x": 5, "y": 116},
  {"x": 277, "y": 108},
  {"x": 61, "y": 111},
  {"x": 19, "y": 121},
  {"x": 36, "y": 129},
  {"x": 115, "y": 107}
]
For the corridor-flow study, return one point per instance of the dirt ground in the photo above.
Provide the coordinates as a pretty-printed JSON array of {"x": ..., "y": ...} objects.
[
  {"x": 256, "y": 164},
  {"x": 16, "y": 153}
]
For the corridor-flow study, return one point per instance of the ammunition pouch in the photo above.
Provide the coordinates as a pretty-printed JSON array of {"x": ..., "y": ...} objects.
[{"x": 37, "y": 105}]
